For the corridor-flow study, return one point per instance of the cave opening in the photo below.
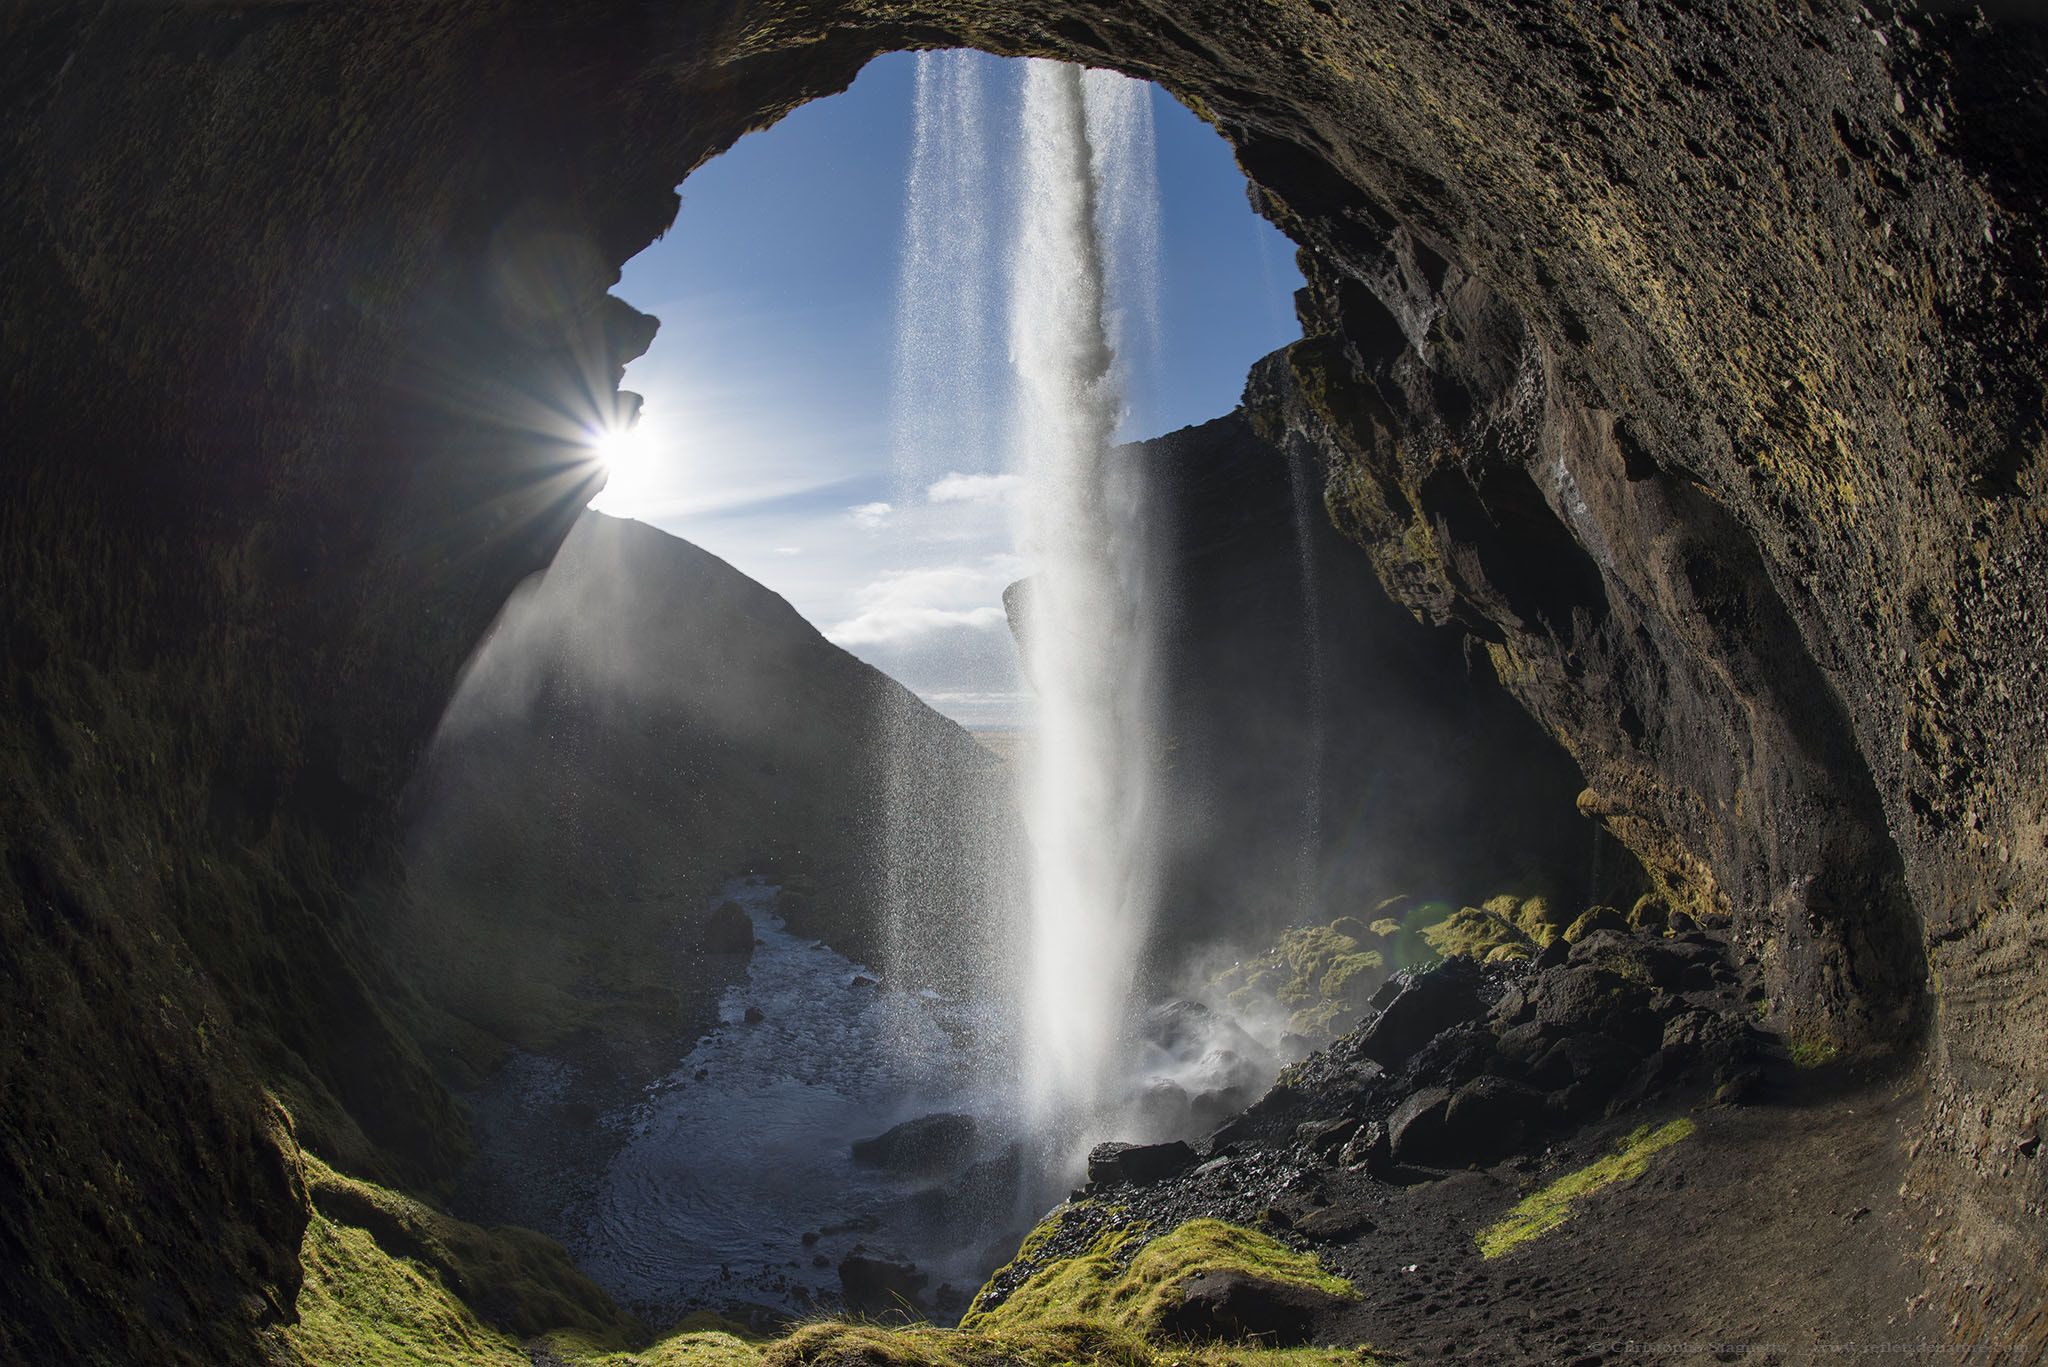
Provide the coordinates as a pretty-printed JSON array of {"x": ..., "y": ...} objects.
[
  {"x": 1632, "y": 352},
  {"x": 708, "y": 881}
]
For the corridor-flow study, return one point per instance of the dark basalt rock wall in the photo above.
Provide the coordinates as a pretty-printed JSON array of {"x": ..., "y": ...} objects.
[
  {"x": 1320, "y": 750},
  {"x": 1688, "y": 355}
]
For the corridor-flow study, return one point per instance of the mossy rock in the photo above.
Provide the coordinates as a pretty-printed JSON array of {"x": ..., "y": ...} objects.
[
  {"x": 515, "y": 1278},
  {"x": 1542, "y": 920},
  {"x": 1650, "y": 913},
  {"x": 1474, "y": 933},
  {"x": 1503, "y": 906},
  {"x": 1595, "y": 918},
  {"x": 1306, "y": 949},
  {"x": 1350, "y": 977},
  {"x": 1133, "y": 1284},
  {"x": 1501, "y": 954},
  {"x": 1353, "y": 928}
]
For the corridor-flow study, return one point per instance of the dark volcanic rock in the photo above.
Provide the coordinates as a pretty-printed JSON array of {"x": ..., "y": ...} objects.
[
  {"x": 729, "y": 930},
  {"x": 929, "y": 1145},
  {"x": 1237, "y": 1305},
  {"x": 1113, "y": 1164},
  {"x": 1415, "y": 1130},
  {"x": 1489, "y": 1118},
  {"x": 1417, "y": 1012}
]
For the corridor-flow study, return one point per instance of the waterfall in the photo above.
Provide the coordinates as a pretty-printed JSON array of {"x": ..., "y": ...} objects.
[
  {"x": 1082, "y": 315},
  {"x": 947, "y": 415},
  {"x": 1086, "y": 793},
  {"x": 1307, "y": 510},
  {"x": 945, "y": 406}
]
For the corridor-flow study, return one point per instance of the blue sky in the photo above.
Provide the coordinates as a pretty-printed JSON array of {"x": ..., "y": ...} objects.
[{"x": 767, "y": 433}]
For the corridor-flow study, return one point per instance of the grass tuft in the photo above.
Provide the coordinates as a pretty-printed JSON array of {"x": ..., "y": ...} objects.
[{"x": 1543, "y": 1211}]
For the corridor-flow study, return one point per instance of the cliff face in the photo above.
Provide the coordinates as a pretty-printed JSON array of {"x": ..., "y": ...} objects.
[
  {"x": 1688, "y": 355},
  {"x": 643, "y": 725},
  {"x": 1321, "y": 750}
]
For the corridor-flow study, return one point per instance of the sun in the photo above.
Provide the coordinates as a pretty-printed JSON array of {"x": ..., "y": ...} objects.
[
  {"x": 635, "y": 460},
  {"x": 618, "y": 448}
]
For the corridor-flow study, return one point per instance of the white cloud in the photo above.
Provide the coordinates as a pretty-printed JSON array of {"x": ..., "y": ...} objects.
[
  {"x": 789, "y": 550},
  {"x": 878, "y": 626},
  {"x": 905, "y": 604},
  {"x": 870, "y": 515},
  {"x": 959, "y": 488}
]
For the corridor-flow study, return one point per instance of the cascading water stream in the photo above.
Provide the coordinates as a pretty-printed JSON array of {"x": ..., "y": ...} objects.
[
  {"x": 1086, "y": 794},
  {"x": 1082, "y": 315},
  {"x": 1308, "y": 861}
]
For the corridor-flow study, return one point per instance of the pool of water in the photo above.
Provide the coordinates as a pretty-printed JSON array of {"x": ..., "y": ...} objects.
[{"x": 728, "y": 1163}]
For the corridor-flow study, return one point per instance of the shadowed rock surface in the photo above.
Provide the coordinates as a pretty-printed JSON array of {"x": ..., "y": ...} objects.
[
  {"x": 1687, "y": 356},
  {"x": 644, "y": 724}
]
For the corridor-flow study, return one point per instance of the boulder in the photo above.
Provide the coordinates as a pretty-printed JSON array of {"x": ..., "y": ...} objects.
[
  {"x": 1334, "y": 1224},
  {"x": 1595, "y": 918},
  {"x": 1488, "y": 1118},
  {"x": 878, "y": 1290},
  {"x": 1595, "y": 1060},
  {"x": 1422, "y": 1008},
  {"x": 1139, "y": 1165},
  {"x": 1415, "y": 1130},
  {"x": 1323, "y": 1136},
  {"x": 728, "y": 930},
  {"x": 928, "y": 1146},
  {"x": 1455, "y": 1056},
  {"x": 1520, "y": 1046},
  {"x": 1239, "y": 1305},
  {"x": 1579, "y": 998},
  {"x": 1368, "y": 1149}
]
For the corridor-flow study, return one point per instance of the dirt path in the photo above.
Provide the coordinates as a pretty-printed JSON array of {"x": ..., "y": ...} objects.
[{"x": 1774, "y": 1234}]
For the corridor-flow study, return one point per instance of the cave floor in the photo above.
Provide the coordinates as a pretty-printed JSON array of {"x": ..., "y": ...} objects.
[{"x": 1776, "y": 1233}]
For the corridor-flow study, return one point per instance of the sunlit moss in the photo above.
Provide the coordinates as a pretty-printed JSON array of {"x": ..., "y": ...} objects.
[
  {"x": 1540, "y": 1213},
  {"x": 1138, "y": 1290},
  {"x": 367, "y": 1306},
  {"x": 1472, "y": 932},
  {"x": 360, "y": 1305}
]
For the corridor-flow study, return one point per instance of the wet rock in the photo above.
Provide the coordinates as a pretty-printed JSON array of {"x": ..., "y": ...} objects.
[
  {"x": 1112, "y": 1163},
  {"x": 1415, "y": 1130},
  {"x": 1420, "y": 1009},
  {"x": 1237, "y": 1305},
  {"x": 1208, "y": 1056},
  {"x": 927, "y": 1146},
  {"x": 728, "y": 930},
  {"x": 754, "y": 1015},
  {"x": 882, "y": 1290},
  {"x": 980, "y": 1199},
  {"x": 1164, "y": 1108},
  {"x": 1488, "y": 1118}
]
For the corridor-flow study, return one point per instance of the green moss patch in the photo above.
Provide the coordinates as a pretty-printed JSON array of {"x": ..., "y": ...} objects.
[
  {"x": 362, "y": 1306},
  {"x": 1133, "y": 1283},
  {"x": 1540, "y": 1213},
  {"x": 1475, "y": 932},
  {"x": 1317, "y": 976},
  {"x": 392, "y": 1283}
]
